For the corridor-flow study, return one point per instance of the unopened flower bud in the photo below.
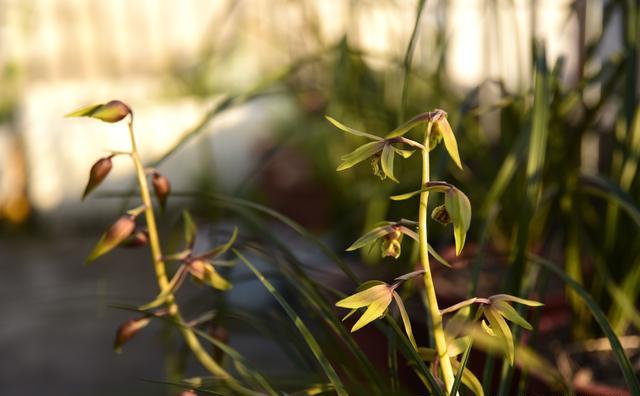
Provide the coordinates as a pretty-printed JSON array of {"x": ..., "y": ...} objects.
[
  {"x": 137, "y": 239},
  {"x": 97, "y": 174},
  {"x": 189, "y": 392},
  {"x": 441, "y": 215},
  {"x": 162, "y": 188},
  {"x": 118, "y": 232},
  {"x": 113, "y": 111},
  {"x": 127, "y": 330}
]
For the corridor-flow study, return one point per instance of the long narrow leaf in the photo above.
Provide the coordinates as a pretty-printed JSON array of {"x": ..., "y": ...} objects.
[
  {"x": 601, "y": 319},
  {"x": 304, "y": 331}
]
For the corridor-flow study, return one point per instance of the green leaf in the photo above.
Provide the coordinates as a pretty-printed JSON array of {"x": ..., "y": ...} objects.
[
  {"x": 345, "y": 128},
  {"x": 387, "y": 162},
  {"x": 449, "y": 140},
  {"x": 501, "y": 330},
  {"x": 458, "y": 346},
  {"x": 605, "y": 188},
  {"x": 405, "y": 319},
  {"x": 511, "y": 314},
  {"x": 468, "y": 379},
  {"x": 302, "y": 328},
  {"x": 366, "y": 297},
  {"x": 618, "y": 351},
  {"x": 190, "y": 229},
  {"x": 459, "y": 208},
  {"x": 369, "y": 238},
  {"x": 360, "y": 154},
  {"x": 507, "y": 297}
]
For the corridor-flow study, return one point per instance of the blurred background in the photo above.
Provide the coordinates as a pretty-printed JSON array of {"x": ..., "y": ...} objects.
[{"x": 230, "y": 98}]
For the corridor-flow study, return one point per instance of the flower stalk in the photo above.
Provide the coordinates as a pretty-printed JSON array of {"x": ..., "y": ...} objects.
[
  {"x": 436, "y": 318},
  {"x": 161, "y": 276}
]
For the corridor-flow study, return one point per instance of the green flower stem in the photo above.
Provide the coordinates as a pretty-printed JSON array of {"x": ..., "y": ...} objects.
[
  {"x": 161, "y": 274},
  {"x": 432, "y": 301}
]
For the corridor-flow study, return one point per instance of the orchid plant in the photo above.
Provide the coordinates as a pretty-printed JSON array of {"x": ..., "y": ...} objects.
[
  {"x": 376, "y": 296},
  {"x": 201, "y": 266}
]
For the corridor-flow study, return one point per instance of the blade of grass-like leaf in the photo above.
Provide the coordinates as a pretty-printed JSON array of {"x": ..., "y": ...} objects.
[
  {"x": 534, "y": 170},
  {"x": 309, "y": 292},
  {"x": 415, "y": 361},
  {"x": 606, "y": 189},
  {"x": 408, "y": 57},
  {"x": 311, "y": 341},
  {"x": 241, "y": 203},
  {"x": 302, "y": 282},
  {"x": 461, "y": 367},
  {"x": 392, "y": 362},
  {"x": 601, "y": 319}
]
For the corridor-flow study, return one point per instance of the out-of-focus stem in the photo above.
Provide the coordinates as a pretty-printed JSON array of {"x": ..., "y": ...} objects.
[
  {"x": 161, "y": 275},
  {"x": 432, "y": 301}
]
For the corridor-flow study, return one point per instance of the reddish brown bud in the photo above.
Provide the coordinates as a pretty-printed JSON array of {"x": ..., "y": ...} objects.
[
  {"x": 118, "y": 232},
  {"x": 139, "y": 238},
  {"x": 189, "y": 392},
  {"x": 113, "y": 111},
  {"x": 127, "y": 330},
  {"x": 162, "y": 188},
  {"x": 97, "y": 174}
]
